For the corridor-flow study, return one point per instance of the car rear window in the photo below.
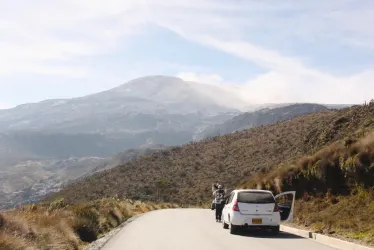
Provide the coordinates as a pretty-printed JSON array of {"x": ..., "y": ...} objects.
[{"x": 255, "y": 197}]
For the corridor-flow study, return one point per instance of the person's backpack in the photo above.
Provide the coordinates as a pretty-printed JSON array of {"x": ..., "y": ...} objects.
[{"x": 220, "y": 196}]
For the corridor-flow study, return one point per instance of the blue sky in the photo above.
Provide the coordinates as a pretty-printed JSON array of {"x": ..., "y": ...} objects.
[{"x": 267, "y": 51}]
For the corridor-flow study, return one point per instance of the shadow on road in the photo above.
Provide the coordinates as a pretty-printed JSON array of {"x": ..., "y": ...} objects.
[{"x": 267, "y": 235}]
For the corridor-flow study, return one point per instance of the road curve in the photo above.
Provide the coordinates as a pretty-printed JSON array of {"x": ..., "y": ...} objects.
[{"x": 195, "y": 229}]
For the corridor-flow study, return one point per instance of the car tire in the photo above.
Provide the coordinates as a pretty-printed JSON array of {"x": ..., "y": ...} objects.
[
  {"x": 224, "y": 224},
  {"x": 275, "y": 230},
  {"x": 233, "y": 229}
]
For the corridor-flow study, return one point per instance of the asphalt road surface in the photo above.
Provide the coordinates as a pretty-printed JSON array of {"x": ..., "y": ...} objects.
[{"x": 195, "y": 229}]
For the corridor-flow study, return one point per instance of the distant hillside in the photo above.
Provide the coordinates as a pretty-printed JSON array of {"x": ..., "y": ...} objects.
[
  {"x": 29, "y": 180},
  {"x": 42, "y": 176},
  {"x": 126, "y": 156},
  {"x": 262, "y": 117},
  {"x": 258, "y": 107},
  {"x": 184, "y": 174}
]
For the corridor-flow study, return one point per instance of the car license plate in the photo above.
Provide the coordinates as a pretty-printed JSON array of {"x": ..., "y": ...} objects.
[{"x": 256, "y": 221}]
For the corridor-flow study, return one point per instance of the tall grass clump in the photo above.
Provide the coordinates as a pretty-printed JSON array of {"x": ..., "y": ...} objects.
[{"x": 59, "y": 225}]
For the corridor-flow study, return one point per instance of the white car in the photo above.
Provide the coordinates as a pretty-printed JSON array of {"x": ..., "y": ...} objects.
[{"x": 248, "y": 208}]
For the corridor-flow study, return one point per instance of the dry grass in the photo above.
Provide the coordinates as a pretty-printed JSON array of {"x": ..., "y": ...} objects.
[
  {"x": 350, "y": 217},
  {"x": 336, "y": 187},
  {"x": 337, "y": 168},
  {"x": 59, "y": 226}
]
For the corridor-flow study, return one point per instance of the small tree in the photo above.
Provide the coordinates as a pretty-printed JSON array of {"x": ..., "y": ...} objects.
[{"x": 161, "y": 185}]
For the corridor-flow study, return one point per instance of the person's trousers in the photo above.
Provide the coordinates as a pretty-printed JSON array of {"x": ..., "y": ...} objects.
[{"x": 219, "y": 208}]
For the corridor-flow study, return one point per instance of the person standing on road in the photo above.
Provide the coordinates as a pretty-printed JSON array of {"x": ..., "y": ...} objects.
[
  {"x": 219, "y": 197},
  {"x": 214, "y": 188}
]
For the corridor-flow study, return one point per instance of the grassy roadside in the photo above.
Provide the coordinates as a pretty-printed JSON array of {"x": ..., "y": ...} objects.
[
  {"x": 335, "y": 188},
  {"x": 61, "y": 226},
  {"x": 346, "y": 217}
]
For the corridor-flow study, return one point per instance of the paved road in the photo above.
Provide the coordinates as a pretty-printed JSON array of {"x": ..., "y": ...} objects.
[{"x": 195, "y": 229}]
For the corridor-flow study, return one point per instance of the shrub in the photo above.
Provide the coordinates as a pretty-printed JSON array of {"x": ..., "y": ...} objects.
[
  {"x": 333, "y": 199},
  {"x": 2, "y": 221},
  {"x": 360, "y": 191},
  {"x": 318, "y": 227},
  {"x": 306, "y": 197},
  {"x": 57, "y": 204}
]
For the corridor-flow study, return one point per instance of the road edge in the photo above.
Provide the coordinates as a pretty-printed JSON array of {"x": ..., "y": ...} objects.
[
  {"x": 323, "y": 239},
  {"x": 100, "y": 243}
]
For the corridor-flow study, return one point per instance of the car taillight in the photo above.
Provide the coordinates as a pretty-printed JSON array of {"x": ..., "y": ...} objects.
[
  {"x": 276, "y": 208},
  {"x": 235, "y": 207}
]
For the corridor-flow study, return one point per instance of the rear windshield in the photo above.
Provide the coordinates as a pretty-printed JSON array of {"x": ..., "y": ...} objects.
[{"x": 255, "y": 197}]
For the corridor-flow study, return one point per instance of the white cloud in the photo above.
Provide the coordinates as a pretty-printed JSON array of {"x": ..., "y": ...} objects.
[
  {"x": 48, "y": 37},
  {"x": 289, "y": 79},
  {"x": 39, "y": 33},
  {"x": 212, "y": 79},
  {"x": 276, "y": 87}
]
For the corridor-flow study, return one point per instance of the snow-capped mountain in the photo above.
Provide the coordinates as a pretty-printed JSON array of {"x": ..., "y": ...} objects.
[{"x": 141, "y": 104}]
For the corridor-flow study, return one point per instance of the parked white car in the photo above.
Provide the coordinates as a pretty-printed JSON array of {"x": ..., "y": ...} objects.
[{"x": 249, "y": 208}]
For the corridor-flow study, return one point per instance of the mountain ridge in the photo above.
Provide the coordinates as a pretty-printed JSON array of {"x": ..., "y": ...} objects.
[
  {"x": 261, "y": 117},
  {"x": 146, "y": 95}
]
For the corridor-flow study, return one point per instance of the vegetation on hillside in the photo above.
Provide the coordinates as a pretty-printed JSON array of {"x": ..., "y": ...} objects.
[
  {"x": 126, "y": 156},
  {"x": 349, "y": 217},
  {"x": 184, "y": 174},
  {"x": 61, "y": 226},
  {"x": 335, "y": 184},
  {"x": 338, "y": 168}
]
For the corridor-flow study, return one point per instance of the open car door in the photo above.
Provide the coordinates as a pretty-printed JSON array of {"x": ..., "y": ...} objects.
[{"x": 286, "y": 203}]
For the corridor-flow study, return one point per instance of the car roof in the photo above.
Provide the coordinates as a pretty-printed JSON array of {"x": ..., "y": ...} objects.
[{"x": 252, "y": 190}]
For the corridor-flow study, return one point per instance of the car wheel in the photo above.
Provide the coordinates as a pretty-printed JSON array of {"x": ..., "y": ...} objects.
[
  {"x": 233, "y": 229},
  {"x": 275, "y": 230},
  {"x": 224, "y": 224}
]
